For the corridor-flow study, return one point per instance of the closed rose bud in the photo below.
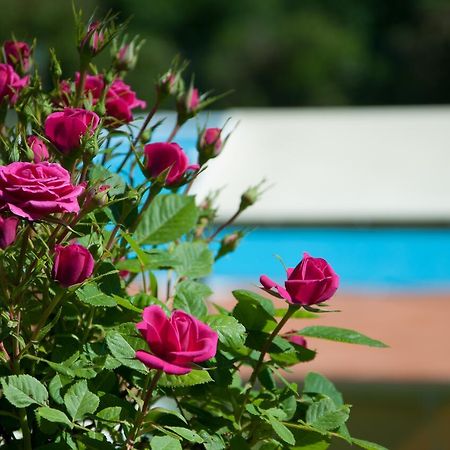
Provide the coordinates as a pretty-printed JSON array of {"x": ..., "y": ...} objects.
[
  {"x": 192, "y": 99},
  {"x": 209, "y": 144},
  {"x": 126, "y": 57},
  {"x": 170, "y": 83},
  {"x": 175, "y": 342},
  {"x": 93, "y": 41},
  {"x": 72, "y": 264},
  {"x": 17, "y": 54},
  {"x": 312, "y": 281},
  {"x": 8, "y": 230},
  {"x": 38, "y": 148},
  {"x": 66, "y": 128},
  {"x": 298, "y": 340},
  {"x": 162, "y": 156}
]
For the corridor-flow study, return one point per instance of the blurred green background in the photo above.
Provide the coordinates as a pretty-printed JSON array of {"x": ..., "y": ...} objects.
[{"x": 271, "y": 52}]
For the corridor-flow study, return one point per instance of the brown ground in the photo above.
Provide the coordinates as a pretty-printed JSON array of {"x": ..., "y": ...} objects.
[{"x": 416, "y": 327}]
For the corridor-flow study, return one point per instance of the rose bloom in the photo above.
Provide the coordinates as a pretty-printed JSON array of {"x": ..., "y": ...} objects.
[
  {"x": 93, "y": 86},
  {"x": 38, "y": 148},
  {"x": 8, "y": 230},
  {"x": 298, "y": 340},
  {"x": 312, "y": 281},
  {"x": 10, "y": 83},
  {"x": 121, "y": 100},
  {"x": 66, "y": 128},
  {"x": 175, "y": 342},
  {"x": 17, "y": 54},
  {"x": 159, "y": 156},
  {"x": 34, "y": 191},
  {"x": 72, "y": 265}
]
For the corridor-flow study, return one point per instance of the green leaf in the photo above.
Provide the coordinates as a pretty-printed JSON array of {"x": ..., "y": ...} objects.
[
  {"x": 24, "y": 390},
  {"x": 194, "y": 259},
  {"x": 80, "y": 401},
  {"x": 190, "y": 379},
  {"x": 53, "y": 415},
  {"x": 168, "y": 218},
  {"x": 367, "y": 445},
  {"x": 108, "y": 279},
  {"x": 44, "y": 330},
  {"x": 299, "y": 314},
  {"x": 318, "y": 384},
  {"x": 253, "y": 311},
  {"x": 123, "y": 351},
  {"x": 190, "y": 297},
  {"x": 249, "y": 296},
  {"x": 101, "y": 175},
  {"x": 187, "y": 434},
  {"x": 282, "y": 431},
  {"x": 110, "y": 414},
  {"x": 340, "y": 335},
  {"x": 125, "y": 303},
  {"x": 231, "y": 332},
  {"x": 156, "y": 415},
  {"x": 92, "y": 295},
  {"x": 309, "y": 440},
  {"x": 325, "y": 416},
  {"x": 165, "y": 443}
]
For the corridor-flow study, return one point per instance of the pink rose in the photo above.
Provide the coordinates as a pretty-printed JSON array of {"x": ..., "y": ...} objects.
[
  {"x": 120, "y": 100},
  {"x": 8, "y": 229},
  {"x": 10, "y": 83},
  {"x": 35, "y": 191},
  {"x": 17, "y": 54},
  {"x": 66, "y": 128},
  {"x": 312, "y": 281},
  {"x": 162, "y": 155},
  {"x": 298, "y": 340},
  {"x": 38, "y": 148},
  {"x": 93, "y": 86},
  {"x": 175, "y": 342},
  {"x": 72, "y": 265}
]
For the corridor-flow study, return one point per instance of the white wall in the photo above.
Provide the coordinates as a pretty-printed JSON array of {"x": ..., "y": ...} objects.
[{"x": 337, "y": 164}]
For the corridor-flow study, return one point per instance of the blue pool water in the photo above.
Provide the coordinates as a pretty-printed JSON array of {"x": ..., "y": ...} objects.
[{"x": 387, "y": 259}]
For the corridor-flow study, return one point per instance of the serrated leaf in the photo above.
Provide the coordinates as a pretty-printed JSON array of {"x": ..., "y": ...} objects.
[
  {"x": 123, "y": 351},
  {"x": 92, "y": 295},
  {"x": 156, "y": 414},
  {"x": 190, "y": 379},
  {"x": 281, "y": 430},
  {"x": 253, "y": 311},
  {"x": 325, "y": 416},
  {"x": 231, "y": 332},
  {"x": 125, "y": 303},
  {"x": 101, "y": 175},
  {"x": 318, "y": 384},
  {"x": 299, "y": 314},
  {"x": 340, "y": 335},
  {"x": 24, "y": 390},
  {"x": 244, "y": 295},
  {"x": 194, "y": 259},
  {"x": 367, "y": 445},
  {"x": 190, "y": 297},
  {"x": 168, "y": 218},
  {"x": 165, "y": 443},
  {"x": 79, "y": 401},
  {"x": 187, "y": 434},
  {"x": 53, "y": 415},
  {"x": 110, "y": 414}
]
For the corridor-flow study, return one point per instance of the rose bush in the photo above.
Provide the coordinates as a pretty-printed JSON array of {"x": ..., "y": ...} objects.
[{"x": 108, "y": 339}]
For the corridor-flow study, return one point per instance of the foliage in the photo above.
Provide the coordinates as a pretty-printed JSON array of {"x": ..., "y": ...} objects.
[{"x": 70, "y": 378}]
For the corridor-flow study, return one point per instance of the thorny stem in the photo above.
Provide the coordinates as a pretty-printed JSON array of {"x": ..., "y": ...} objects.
[
  {"x": 129, "y": 445},
  {"x": 265, "y": 348}
]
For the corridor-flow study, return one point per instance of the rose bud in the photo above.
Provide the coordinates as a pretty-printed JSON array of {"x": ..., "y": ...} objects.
[
  {"x": 66, "y": 128},
  {"x": 171, "y": 83},
  {"x": 312, "y": 281},
  {"x": 36, "y": 190},
  {"x": 11, "y": 84},
  {"x": 229, "y": 243},
  {"x": 72, "y": 264},
  {"x": 125, "y": 58},
  {"x": 167, "y": 156},
  {"x": 209, "y": 144},
  {"x": 298, "y": 340},
  {"x": 17, "y": 54},
  {"x": 192, "y": 99},
  {"x": 120, "y": 100},
  {"x": 93, "y": 86},
  {"x": 38, "y": 148},
  {"x": 8, "y": 229},
  {"x": 93, "y": 40},
  {"x": 175, "y": 342},
  {"x": 251, "y": 196}
]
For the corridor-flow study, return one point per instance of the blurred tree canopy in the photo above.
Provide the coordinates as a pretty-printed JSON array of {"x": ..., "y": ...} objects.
[{"x": 271, "y": 52}]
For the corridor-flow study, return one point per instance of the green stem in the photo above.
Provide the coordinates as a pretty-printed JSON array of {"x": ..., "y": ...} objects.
[
  {"x": 141, "y": 131},
  {"x": 224, "y": 225},
  {"x": 80, "y": 85},
  {"x": 129, "y": 445},
  {"x": 41, "y": 323},
  {"x": 264, "y": 350},
  {"x": 25, "y": 429},
  {"x": 175, "y": 130}
]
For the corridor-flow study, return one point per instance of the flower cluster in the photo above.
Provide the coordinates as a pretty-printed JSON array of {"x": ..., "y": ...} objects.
[{"x": 104, "y": 259}]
